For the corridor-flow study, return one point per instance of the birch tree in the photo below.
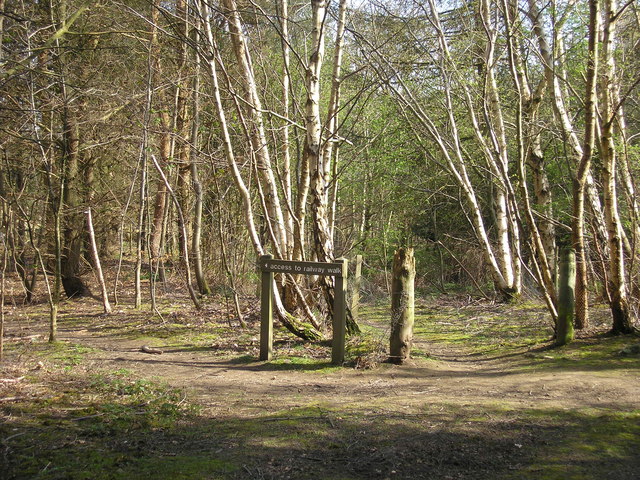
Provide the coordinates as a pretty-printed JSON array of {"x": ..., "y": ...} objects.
[
  {"x": 441, "y": 124},
  {"x": 579, "y": 151},
  {"x": 622, "y": 320},
  {"x": 214, "y": 63}
]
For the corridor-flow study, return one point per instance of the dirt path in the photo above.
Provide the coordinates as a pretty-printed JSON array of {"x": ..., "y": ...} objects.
[
  {"x": 225, "y": 383},
  {"x": 526, "y": 414}
]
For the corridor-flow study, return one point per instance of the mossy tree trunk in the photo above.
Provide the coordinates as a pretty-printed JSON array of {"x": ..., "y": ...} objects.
[
  {"x": 566, "y": 296},
  {"x": 402, "y": 305}
]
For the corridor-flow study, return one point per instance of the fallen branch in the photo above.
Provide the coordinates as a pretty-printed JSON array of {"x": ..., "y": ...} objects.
[
  {"x": 11, "y": 380},
  {"x": 148, "y": 349},
  {"x": 19, "y": 339}
]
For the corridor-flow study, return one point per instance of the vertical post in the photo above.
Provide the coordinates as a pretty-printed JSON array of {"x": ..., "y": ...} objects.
[
  {"x": 402, "y": 305},
  {"x": 355, "y": 293},
  {"x": 266, "y": 311},
  {"x": 339, "y": 314}
]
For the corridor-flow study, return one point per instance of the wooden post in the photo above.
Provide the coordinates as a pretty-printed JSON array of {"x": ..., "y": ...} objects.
[
  {"x": 266, "y": 312},
  {"x": 402, "y": 305},
  {"x": 566, "y": 296},
  {"x": 355, "y": 293},
  {"x": 339, "y": 315}
]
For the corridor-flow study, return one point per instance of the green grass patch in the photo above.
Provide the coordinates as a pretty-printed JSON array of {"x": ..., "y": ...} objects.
[
  {"x": 61, "y": 354},
  {"x": 593, "y": 444},
  {"x": 483, "y": 330},
  {"x": 101, "y": 425},
  {"x": 602, "y": 352},
  {"x": 303, "y": 364}
]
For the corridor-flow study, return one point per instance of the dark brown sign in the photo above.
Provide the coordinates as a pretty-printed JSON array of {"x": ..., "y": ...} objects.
[{"x": 302, "y": 268}]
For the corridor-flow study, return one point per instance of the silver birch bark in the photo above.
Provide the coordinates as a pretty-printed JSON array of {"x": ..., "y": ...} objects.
[
  {"x": 622, "y": 321},
  {"x": 330, "y": 148},
  {"x": 556, "y": 78},
  {"x": 256, "y": 123},
  {"x": 582, "y": 171},
  {"x": 286, "y": 154},
  {"x": 212, "y": 56},
  {"x": 454, "y": 158},
  {"x": 448, "y": 139},
  {"x": 582, "y": 181},
  {"x": 508, "y": 230},
  {"x": 501, "y": 262},
  {"x": 314, "y": 153},
  {"x": 525, "y": 110},
  {"x": 312, "y": 146}
]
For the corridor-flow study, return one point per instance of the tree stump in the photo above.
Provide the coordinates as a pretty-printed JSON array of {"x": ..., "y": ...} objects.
[{"x": 402, "y": 305}]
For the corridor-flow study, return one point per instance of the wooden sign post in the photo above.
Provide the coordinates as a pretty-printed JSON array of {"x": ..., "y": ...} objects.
[
  {"x": 266, "y": 311},
  {"x": 338, "y": 269}
]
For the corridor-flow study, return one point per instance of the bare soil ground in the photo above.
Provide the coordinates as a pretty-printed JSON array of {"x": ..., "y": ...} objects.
[{"x": 518, "y": 410}]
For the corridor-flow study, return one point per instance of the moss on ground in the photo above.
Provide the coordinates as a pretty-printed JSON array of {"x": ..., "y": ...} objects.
[{"x": 70, "y": 420}]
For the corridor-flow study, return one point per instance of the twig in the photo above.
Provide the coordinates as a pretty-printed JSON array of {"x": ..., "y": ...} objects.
[
  {"x": 19, "y": 339},
  {"x": 5, "y": 440}
]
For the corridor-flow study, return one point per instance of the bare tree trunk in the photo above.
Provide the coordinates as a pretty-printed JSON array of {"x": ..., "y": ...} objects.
[
  {"x": 312, "y": 146},
  {"x": 313, "y": 151},
  {"x": 256, "y": 128},
  {"x": 183, "y": 233},
  {"x": 566, "y": 297},
  {"x": 402, "y": 305},
  {"x": 123, "y": 218},
  {"x": 583, "y": 181},
  {"x": 2, "y": 3},
  {"x": 162, "y": 105},
  {"x": 71, "y": 221},
  {"x": 196, "y": 248},
  {"x": 582, "y": 171},
  {"x": 542, "y": 241},
  {"x": 142, "y": 196},
  {"x": 622, "y": 319},
  {"x": 225, "y": 261},
  {"x": 448, "y": 142},
  {"x": 506, "y": 224},
  {"x": 213, "y": 57},
  {"x": 52, "y": 202},
  {"x": 330, "y": 152},
  {"x": 286, "y": 153},
  {"x": 140, "y": 228},
  {"x": 54, "y": 301},
  {"x": 96, "y": 262},
  {"x": 355, "y": 290}
]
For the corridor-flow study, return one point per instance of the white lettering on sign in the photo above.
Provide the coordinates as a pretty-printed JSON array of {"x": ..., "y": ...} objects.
[{"x": 302, "y": 268}]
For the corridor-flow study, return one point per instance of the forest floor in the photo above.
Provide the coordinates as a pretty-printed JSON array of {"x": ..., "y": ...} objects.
[{"x": 484, "y": 397}]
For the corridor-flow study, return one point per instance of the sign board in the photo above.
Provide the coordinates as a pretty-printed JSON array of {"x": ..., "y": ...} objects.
[
  {"x": 338, "y": 269},
  {"x": 302, "y": 268}
]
